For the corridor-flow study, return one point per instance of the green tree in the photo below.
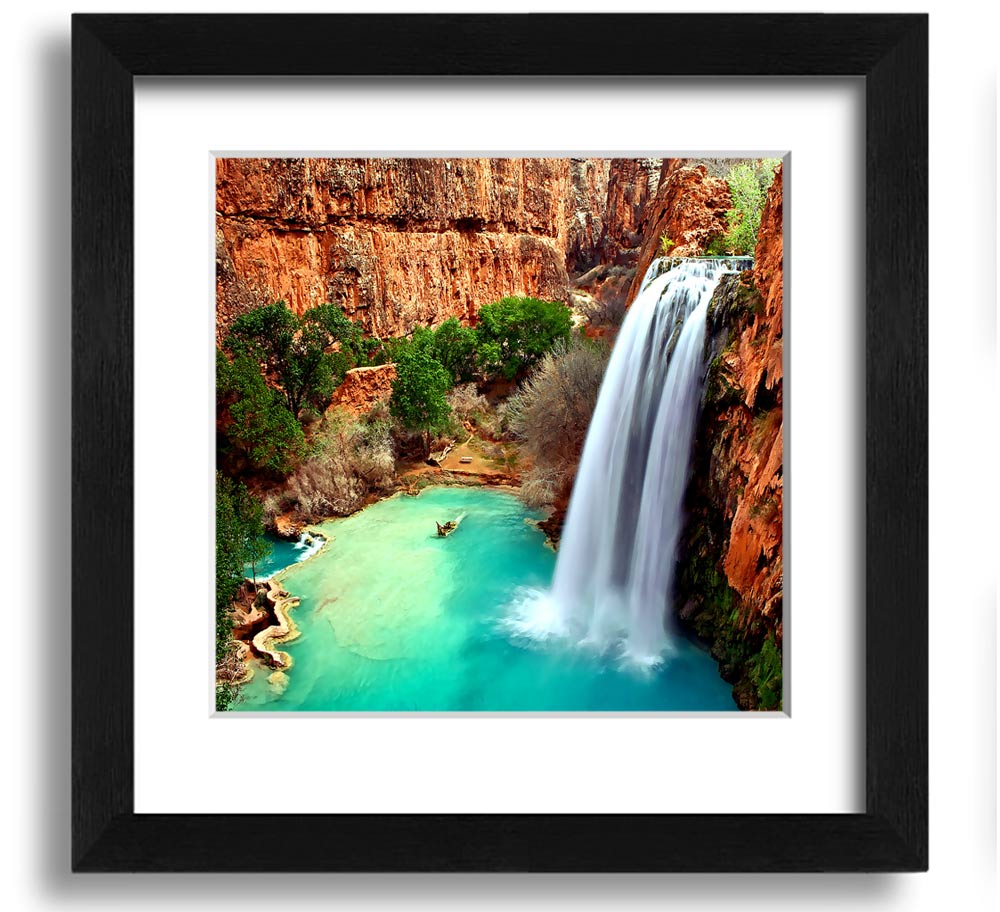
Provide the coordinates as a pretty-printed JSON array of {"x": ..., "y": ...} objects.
[
  {"x": 342, "y": 330},
  {"x": 418, "y": 392},
  {"x": 748, "y": 186},
  {"x": 239, "y": 541},
  {"x": 295, "y": 353},
  {"x": 260, "y": 425},
  {"x": 514, "y": 333},
  {"x": 456, "y": 347}
]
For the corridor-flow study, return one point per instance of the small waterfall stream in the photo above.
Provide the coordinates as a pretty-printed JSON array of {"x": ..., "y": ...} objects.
[{"x": 617, "y": 556}]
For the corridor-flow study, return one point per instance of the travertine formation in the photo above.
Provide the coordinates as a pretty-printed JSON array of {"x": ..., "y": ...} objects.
[{"x": 283, "y": 630}]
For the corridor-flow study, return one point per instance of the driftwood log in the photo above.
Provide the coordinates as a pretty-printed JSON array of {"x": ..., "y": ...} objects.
[{"x": 435, "y": 459}]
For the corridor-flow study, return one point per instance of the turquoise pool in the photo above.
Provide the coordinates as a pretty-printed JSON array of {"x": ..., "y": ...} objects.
[{"x": 394, "y": 618}]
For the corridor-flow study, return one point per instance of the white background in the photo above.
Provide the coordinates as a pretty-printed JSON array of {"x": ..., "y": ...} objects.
[
  {"x": 963, "y": 509},
  {"x": 511, "y": 762}
]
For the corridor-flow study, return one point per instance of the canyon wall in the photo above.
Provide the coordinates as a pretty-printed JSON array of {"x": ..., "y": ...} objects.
[
  {"x": 586, "y": 211},
  {"x": 400, "y": 243},
  {"x": 689, "y": 207},
  {"x": 601, "y": 280},
  {"x": 731, "y": 580},
  {"x": 632, "y": 183}
]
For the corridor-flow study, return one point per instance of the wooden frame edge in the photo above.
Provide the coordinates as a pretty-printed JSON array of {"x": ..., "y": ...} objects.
[{"x": 891, "y": 52}]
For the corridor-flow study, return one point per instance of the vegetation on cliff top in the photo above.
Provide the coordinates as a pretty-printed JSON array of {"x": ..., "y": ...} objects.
[{"x": 748, "y": 186}]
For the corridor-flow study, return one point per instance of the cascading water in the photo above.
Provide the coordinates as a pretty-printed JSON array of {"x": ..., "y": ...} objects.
[{"x": 617, "y": 554}]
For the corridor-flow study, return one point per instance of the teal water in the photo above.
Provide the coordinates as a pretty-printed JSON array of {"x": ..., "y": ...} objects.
[
  {"x": 393, "y": 618},
  {"x": 284, "y": 554}
]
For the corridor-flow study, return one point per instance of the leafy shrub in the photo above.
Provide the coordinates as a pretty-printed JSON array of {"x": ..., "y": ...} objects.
[
  {"x": 339, "y": 329},
  {"x": 666, "y": 245},
  {"x": 717, "y": 246},
  {"x": 304, "y": 358},
  {"x": 455, "y": 347}
]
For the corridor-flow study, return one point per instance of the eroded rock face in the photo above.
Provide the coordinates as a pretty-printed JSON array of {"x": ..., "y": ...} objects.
[
  {"x": 731, "y": 581},
  {"x": 398, "y": 243},
  {"x": 586, "y": 212},
  {"x": 689, "y": 208},
  {"x": 632, "y": 183},
  {"x": 753, "y": 563},
  {"x": 363, "y": 387}
]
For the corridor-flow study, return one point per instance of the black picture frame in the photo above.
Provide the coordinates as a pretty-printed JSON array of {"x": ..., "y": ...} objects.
[{"x": 889, "y": 51}]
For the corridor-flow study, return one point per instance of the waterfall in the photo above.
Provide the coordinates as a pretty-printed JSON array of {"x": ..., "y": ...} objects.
[{"x": 615, "y": 569}]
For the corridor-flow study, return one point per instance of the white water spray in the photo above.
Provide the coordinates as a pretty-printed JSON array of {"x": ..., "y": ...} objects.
[{"x": 615, "y": 570}]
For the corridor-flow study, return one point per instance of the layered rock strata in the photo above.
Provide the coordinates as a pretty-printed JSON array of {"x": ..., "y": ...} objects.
[
  {"x": 398, "y": 243},
  {"x": 731, "y": 581},
  {"x": 689, "y": 209}
]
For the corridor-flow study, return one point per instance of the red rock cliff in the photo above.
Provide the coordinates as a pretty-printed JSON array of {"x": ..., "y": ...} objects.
[
  {"x": 753, "y": 562},
  {"x": 586, "y": 212},
  {"x": 604, "y": 276},
  {"x": 731, "y": 583},
  {"x": 397, "y": 243},
  {"x": 363, "y": 387},
  {"x": 689, "y": 208},
  {"x": 632, "y": 183}
]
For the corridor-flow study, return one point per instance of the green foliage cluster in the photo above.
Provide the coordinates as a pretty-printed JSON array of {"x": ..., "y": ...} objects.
[
  {"x": 297, "y": 353},
  {"x": 511, "y": 336},
  {"x": 239, "y": 541},
  {"x": 666, "y": 245},
  {"x": 278, "y": 367},
  {"x": 748, "y": 186},
  {"x": 717, "y": 246},
  {"x": 765, "y": 674},
  {"x": 261, "y": 425},
  {"x": 514, "y": 333},
  {"x": 455, "y": 346},
  {"x": 420, "y": 389}
]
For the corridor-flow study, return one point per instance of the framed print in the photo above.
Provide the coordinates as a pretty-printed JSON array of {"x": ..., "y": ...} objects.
[{"x": 381, "y": 330}]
